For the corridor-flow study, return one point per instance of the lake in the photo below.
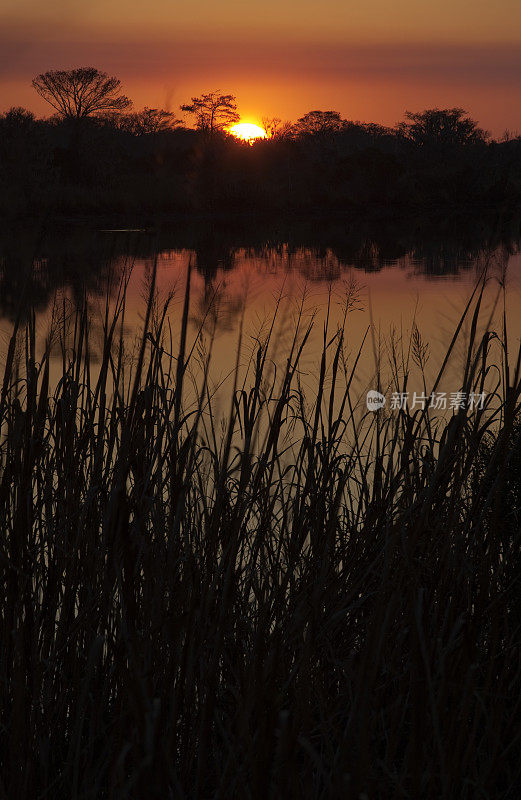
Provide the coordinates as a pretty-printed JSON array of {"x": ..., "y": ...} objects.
[{"x": 395, "y": 277}]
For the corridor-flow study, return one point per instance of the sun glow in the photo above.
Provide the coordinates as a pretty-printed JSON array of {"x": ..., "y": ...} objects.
[{"x": 248, "y": 131}]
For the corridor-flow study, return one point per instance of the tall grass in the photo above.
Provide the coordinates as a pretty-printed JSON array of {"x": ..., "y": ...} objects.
[{"x": 298, "y": 601}]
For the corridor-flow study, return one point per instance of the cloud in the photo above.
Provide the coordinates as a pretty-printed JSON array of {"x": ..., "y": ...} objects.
[{"x": 486, "y": 65}]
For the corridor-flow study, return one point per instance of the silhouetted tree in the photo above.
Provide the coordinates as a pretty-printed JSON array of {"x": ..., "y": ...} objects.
[
  {"x": 17, "y": 119},
  {"x": 275, "y": 128},
  {"x": 24, "y": 159},
  {"x": 152, "y": 120},
  {"x": 82, "y": 92},
  {"x": 213, "y": 111},
  {"x": 116, "y": 120},
  {"x": 318, "y": 122},
  {"x": 448, "y": 126}
]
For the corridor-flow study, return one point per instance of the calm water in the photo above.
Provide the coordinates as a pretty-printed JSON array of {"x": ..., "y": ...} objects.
[{"x": 404, "y": 275}]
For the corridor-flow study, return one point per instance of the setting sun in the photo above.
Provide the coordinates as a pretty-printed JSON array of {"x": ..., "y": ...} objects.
[{"x": 248, "y": 131}]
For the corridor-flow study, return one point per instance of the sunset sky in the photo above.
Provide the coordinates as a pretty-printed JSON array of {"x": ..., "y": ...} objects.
[{"x": 368, "y": 59}]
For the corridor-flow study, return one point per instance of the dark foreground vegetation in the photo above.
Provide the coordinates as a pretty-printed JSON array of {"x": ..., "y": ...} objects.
[
  {"x": 300, "y": 601},
  {"x": 94, "y": 155}
]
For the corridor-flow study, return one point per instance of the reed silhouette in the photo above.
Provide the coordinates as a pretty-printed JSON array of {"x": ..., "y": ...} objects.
[{"x": 297, "y": 600}]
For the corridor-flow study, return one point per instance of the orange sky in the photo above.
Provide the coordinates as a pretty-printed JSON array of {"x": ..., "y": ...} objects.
[{"x": 368, "y": 59}]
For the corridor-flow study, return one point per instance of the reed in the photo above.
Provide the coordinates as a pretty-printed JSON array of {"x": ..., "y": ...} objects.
[{"x": 298, "y": 601}]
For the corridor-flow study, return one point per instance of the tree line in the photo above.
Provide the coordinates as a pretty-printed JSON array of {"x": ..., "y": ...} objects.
[
  {"x": 85, "y": 92},
  {"x": 96, "y": 151}
]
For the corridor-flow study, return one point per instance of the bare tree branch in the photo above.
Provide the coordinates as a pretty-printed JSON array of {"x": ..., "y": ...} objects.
[{"x": 80, "y": 93}]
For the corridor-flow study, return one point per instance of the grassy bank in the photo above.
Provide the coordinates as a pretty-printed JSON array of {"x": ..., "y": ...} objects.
[{"x": 295, "y": 601}]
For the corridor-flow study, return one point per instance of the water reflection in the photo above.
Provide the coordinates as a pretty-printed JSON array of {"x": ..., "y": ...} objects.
[{"x": 35, "y": 262}]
